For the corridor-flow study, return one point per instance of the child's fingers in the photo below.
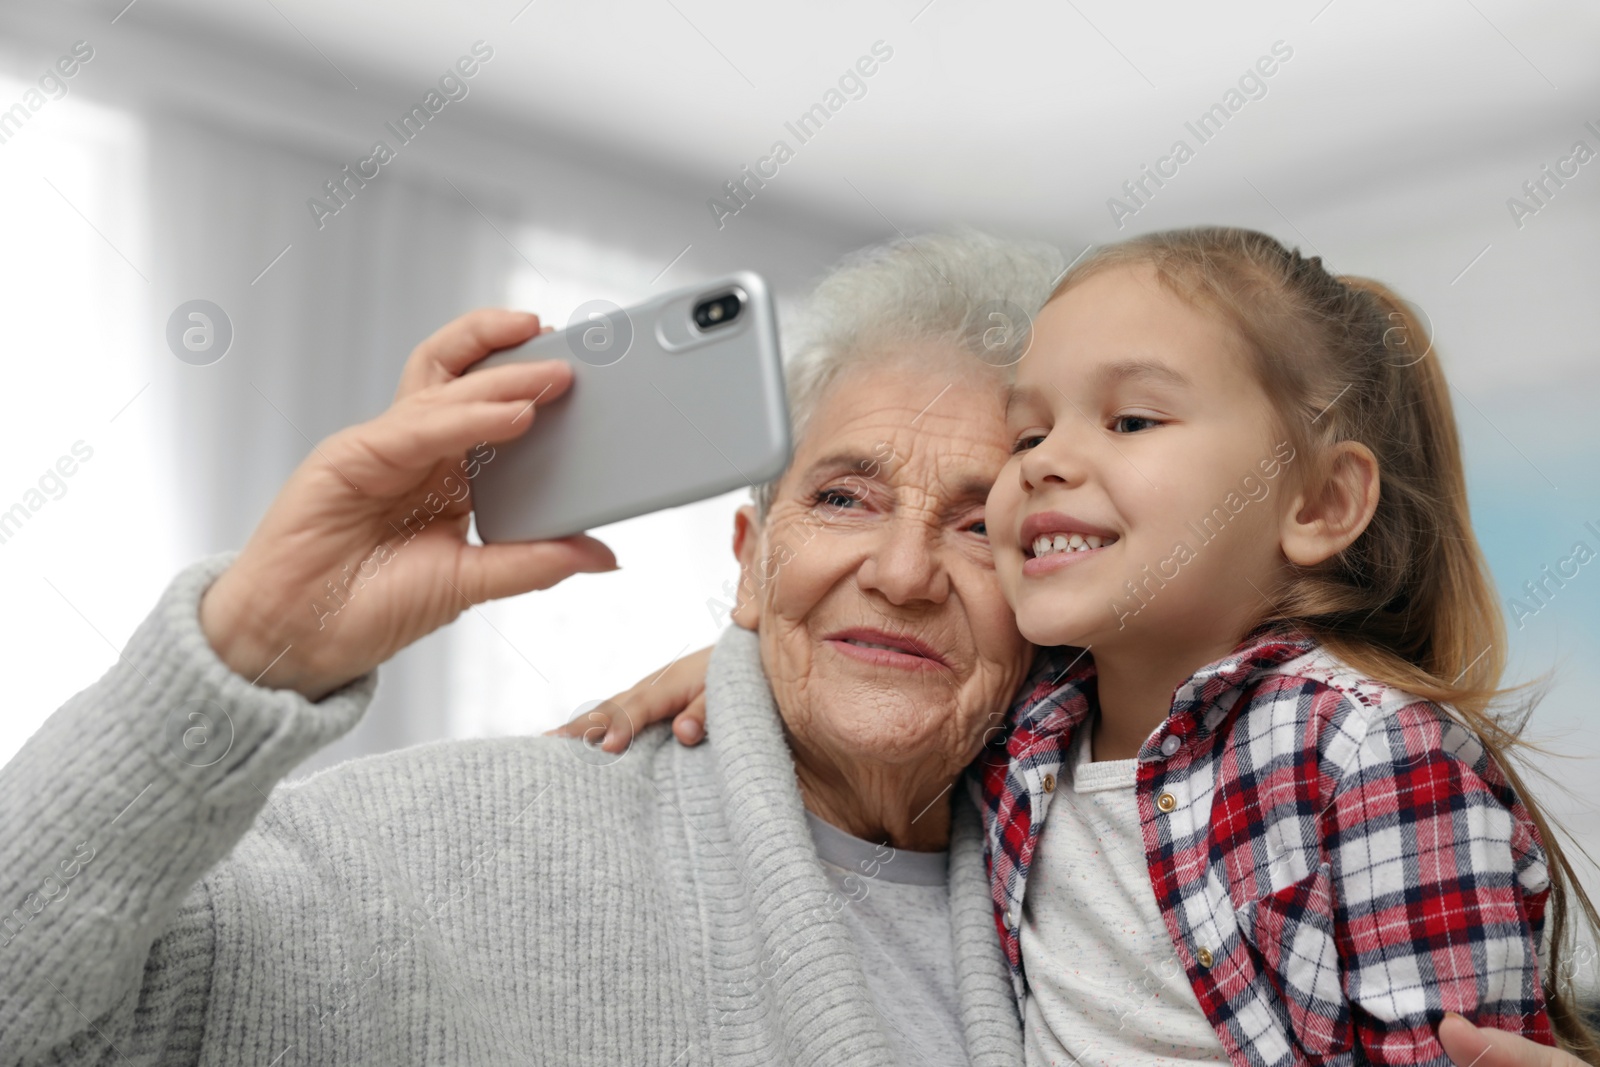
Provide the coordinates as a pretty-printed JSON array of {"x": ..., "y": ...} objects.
[
  {"x": 675, "y": 688},
  {"x": 1470, "y": 1046},
  {"x": 690, "y": 725},
  {"x": 595, "y": 726},
  {"x": 624, "y": 726},
  {"x": 676, "y": 692},
  {"x": 607, "y": 724}
]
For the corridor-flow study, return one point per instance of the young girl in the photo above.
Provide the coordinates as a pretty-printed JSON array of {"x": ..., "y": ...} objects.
[
  {"x": 1237, "y": 495},
  {"x": 1282, "y": 826}
]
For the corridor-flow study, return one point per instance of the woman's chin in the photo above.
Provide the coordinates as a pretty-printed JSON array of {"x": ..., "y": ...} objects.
[{"x": 908, "y": 733}]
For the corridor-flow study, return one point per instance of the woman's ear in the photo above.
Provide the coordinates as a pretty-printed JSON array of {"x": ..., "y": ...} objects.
[
  {"x": 746, "y": 545},
  {"x": 1330, "y": 513}
]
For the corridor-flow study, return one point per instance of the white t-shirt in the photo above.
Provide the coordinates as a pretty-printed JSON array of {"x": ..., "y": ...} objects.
[
  {"x": 898, "y": 911},
  {"x": 1104, "y": 985}
]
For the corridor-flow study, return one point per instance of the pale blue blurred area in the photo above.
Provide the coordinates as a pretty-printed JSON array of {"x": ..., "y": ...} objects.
[{"x": 1525, "y": 525}]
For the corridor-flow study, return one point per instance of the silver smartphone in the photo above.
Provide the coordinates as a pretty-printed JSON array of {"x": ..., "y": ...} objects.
[{"x": 672, "y": 401}]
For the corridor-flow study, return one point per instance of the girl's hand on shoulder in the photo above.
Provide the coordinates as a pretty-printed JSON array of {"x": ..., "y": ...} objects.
[
  {"x": 1472, "y": 1046},
  {"x": 677, "y": 693}
]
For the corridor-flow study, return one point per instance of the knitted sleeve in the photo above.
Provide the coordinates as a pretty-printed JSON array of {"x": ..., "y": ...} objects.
[{"x": 113, "y": 812}]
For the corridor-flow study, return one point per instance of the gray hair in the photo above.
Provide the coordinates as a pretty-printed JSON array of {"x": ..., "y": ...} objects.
[{"x": 965, "y": 291}]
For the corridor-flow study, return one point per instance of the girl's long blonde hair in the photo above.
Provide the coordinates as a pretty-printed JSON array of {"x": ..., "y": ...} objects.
[{"x": 1410, "y": 603}]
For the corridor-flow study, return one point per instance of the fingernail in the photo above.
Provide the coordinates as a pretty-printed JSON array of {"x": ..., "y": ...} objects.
[{"x": 691, "y": 731}]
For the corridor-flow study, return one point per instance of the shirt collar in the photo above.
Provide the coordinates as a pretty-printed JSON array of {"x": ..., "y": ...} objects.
[{"x": 1059, "y": 692}]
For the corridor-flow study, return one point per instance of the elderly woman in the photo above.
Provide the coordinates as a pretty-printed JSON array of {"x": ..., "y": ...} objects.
[{"x": 806, "y": 888}]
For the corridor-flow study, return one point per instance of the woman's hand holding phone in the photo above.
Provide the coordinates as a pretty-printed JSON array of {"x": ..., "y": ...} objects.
[{"x": 365, "y": 548}]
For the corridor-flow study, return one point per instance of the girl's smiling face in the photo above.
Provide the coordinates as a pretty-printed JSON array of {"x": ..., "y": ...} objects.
[{"x": 1137, "y": 425}]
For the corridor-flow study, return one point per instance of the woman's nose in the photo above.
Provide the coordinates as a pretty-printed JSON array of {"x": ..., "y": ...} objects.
[{"x": 906, "y": 566}]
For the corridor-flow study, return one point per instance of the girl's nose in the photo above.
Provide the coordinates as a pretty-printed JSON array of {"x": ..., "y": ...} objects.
[{"x": 1059, "y": 459}]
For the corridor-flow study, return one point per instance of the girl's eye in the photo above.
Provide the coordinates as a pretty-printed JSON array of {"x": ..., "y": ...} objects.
[
  {"x": 1026, "y": 442},
  {"x": 835, "y": 498},
  {"x": 1132, "y": 423}
]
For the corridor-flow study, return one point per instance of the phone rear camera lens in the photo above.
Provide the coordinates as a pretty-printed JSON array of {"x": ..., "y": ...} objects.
[{"x": 718, "y": 310}]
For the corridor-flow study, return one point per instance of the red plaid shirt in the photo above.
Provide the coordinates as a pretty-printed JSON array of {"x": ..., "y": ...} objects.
[{"x": 1338, "y": 863}]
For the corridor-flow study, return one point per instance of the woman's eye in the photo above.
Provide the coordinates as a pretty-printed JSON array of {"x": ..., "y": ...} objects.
[
  {"x": 835, "y": 498},
  {"x": 1132, "y": 423},
  {"x": 980, "y": 528}
]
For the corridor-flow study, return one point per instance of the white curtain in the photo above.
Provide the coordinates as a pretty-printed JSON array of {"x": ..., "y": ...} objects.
[
  {"x": 86, "y": 490},
  {"x": 318, "y": 339}
]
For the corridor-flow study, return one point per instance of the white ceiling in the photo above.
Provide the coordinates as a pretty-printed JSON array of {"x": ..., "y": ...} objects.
[
  {"x": 1005, "y": 114},
  {"x": 1389, "y": 143}
]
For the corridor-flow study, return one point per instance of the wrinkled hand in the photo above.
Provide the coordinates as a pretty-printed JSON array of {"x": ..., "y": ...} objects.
[
  {"x": 680, "y": 691},
  {"x": 365, "y": 548},
  {"x": 1470, "y": 1046}
]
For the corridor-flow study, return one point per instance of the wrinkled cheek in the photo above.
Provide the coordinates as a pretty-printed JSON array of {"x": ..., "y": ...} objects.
[
  {"x": 794, "y": 573},
  {"x": 1000, "y": 644},
  {"x": 785, "y": 606},
  {"x": 980, "y": 709},
  {"x": 786, "y": 654},
  {"x": 1005, "y": 498}
]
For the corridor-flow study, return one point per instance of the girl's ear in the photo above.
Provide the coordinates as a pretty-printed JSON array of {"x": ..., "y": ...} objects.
[
  {"x": 746, "y": 544},
  {"x": 1332, "y": 512}
]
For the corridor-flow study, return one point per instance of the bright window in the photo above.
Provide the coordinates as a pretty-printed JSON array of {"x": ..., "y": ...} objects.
[{"x": 88, "y": 534}]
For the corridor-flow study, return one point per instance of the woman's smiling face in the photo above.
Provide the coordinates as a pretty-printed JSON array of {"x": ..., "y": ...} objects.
[{"x": 883, "y": 630}]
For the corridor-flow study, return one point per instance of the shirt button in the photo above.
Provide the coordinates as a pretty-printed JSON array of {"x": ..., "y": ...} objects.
[
  {"x": 1049, "y": 783},
  {"x": 1170, "y": 744},
  {"x": 1166, "y": 802},
  {"x": 1205, "y": 958},
  {"x": 1011, "y": 916}
]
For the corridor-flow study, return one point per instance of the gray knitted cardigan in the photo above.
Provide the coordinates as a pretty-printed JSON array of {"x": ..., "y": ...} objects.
[{"x": 499, "y": 901}]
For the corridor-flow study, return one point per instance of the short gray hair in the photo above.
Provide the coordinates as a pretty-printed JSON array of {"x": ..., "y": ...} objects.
[{"x": 943, "y": 288}]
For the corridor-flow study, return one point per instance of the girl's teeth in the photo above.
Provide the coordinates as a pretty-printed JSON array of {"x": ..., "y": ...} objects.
[{"x": 1046, "y": 545}]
